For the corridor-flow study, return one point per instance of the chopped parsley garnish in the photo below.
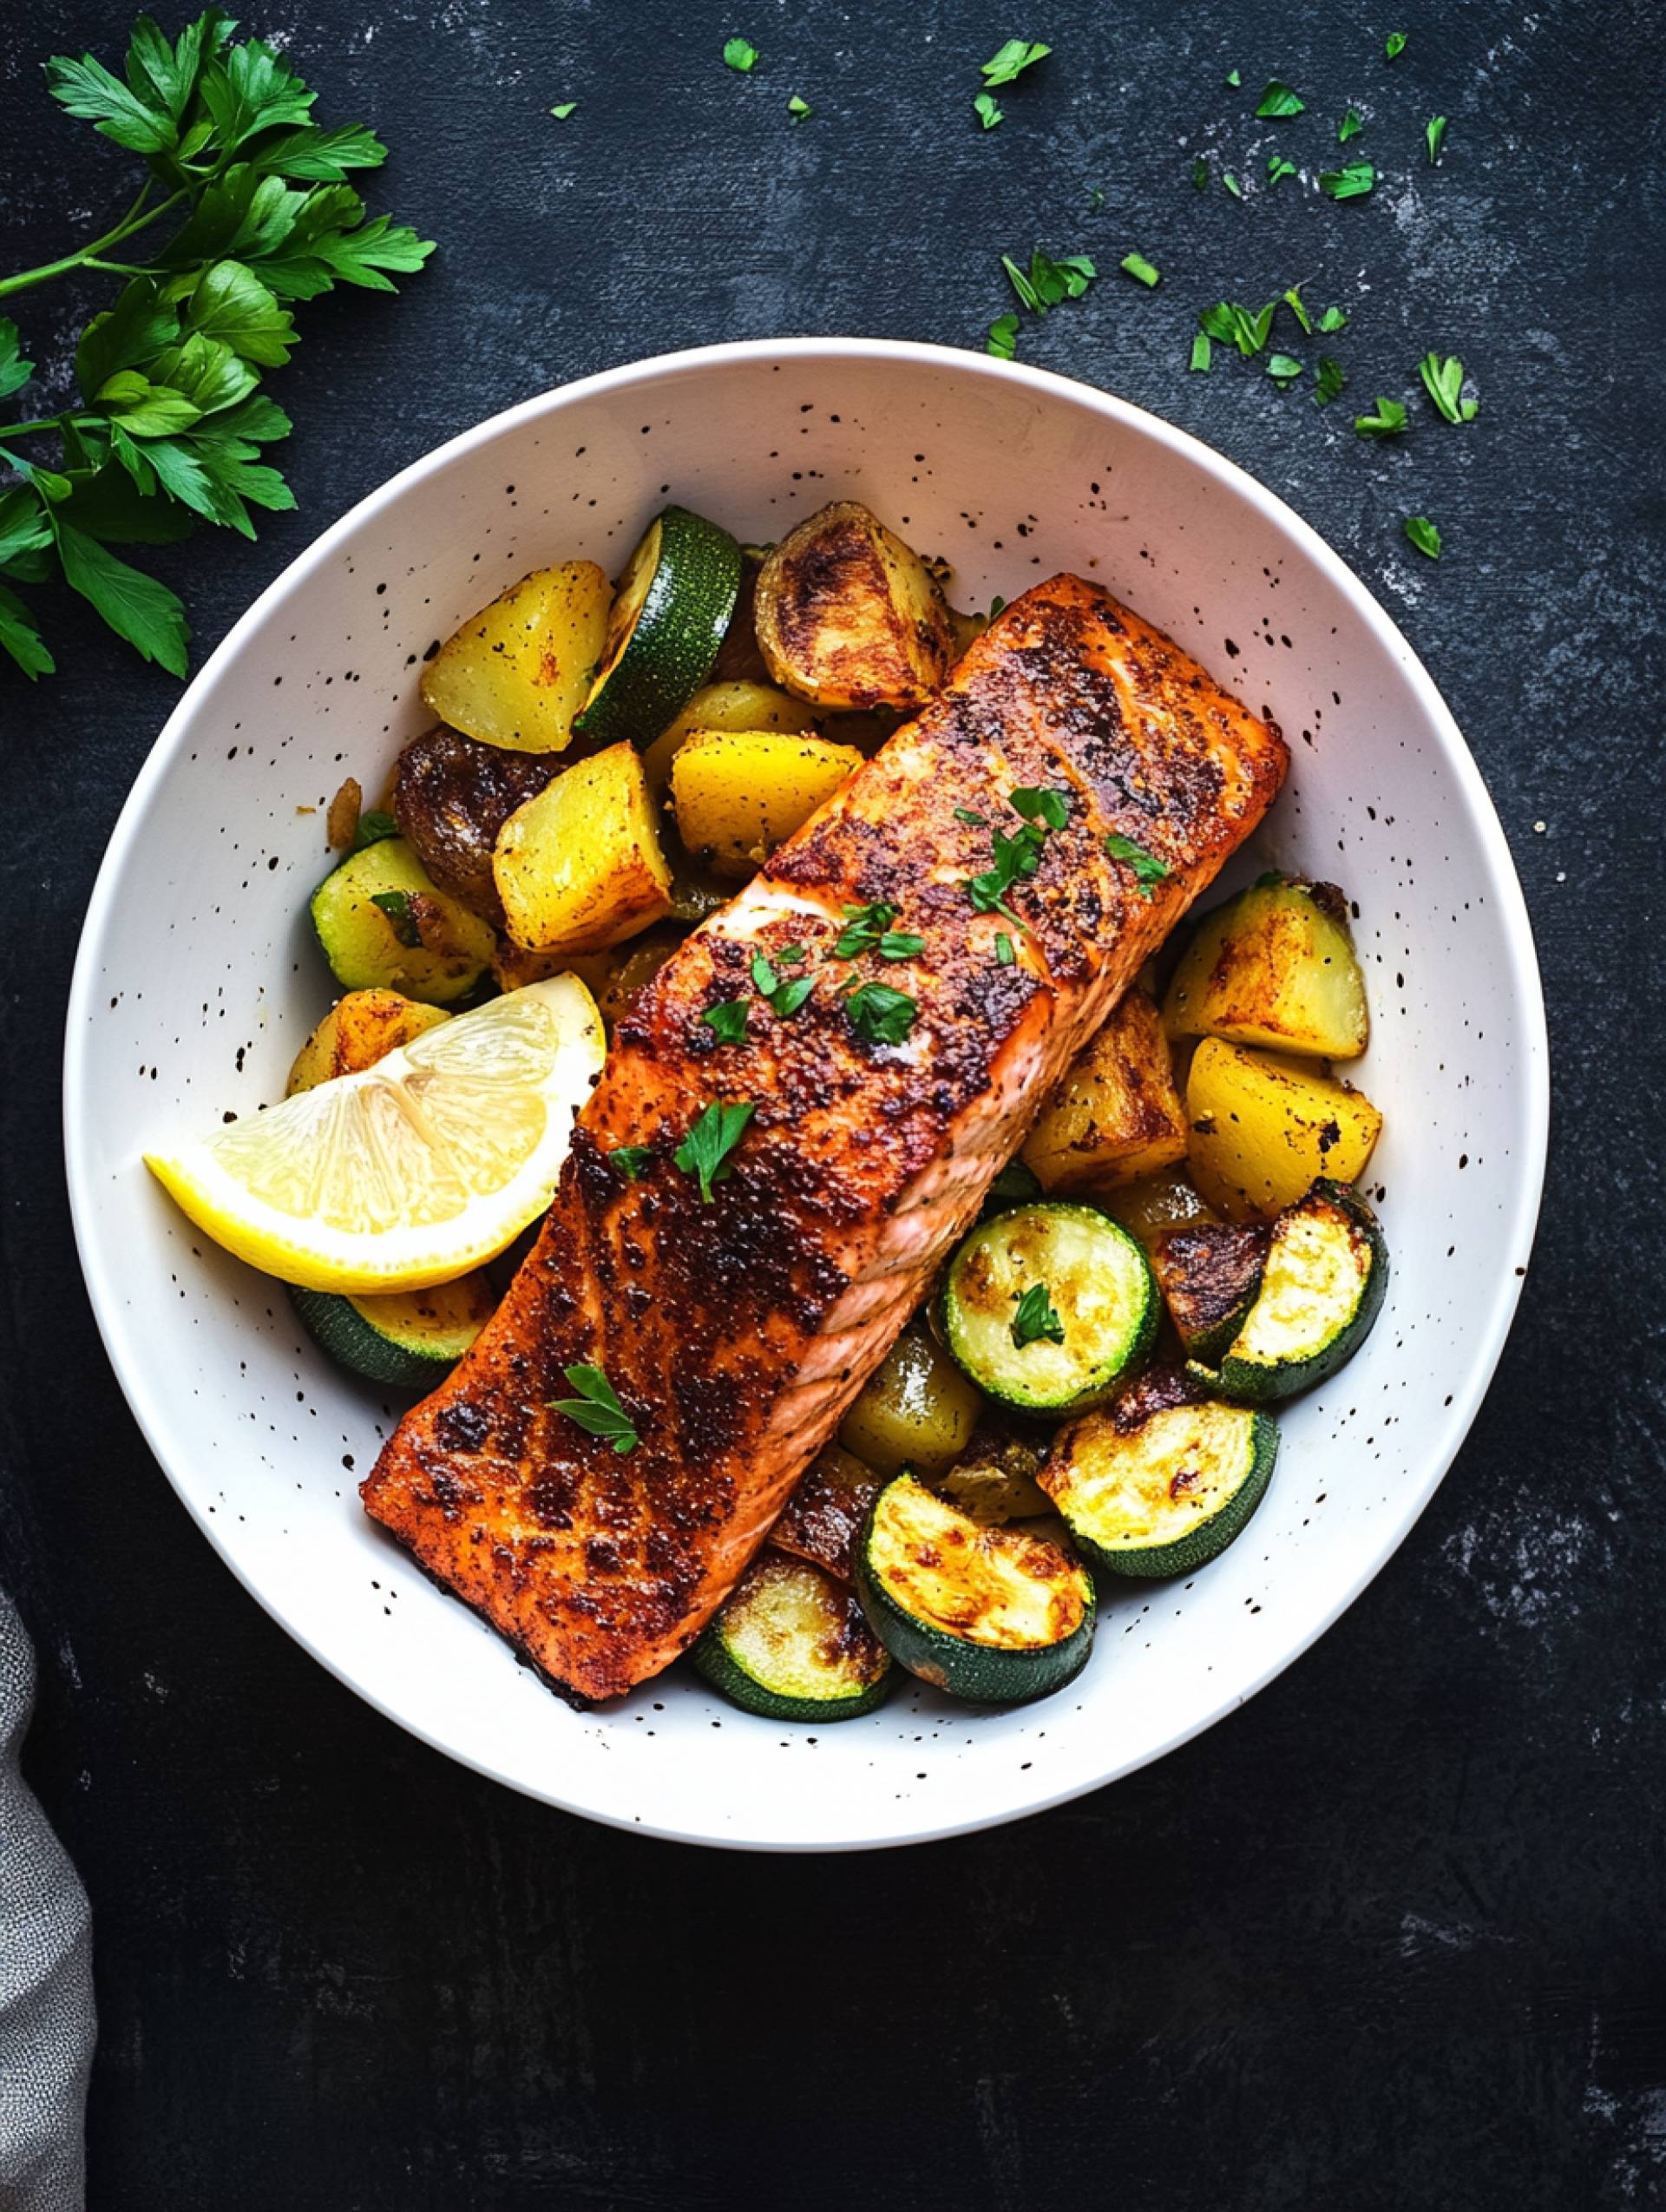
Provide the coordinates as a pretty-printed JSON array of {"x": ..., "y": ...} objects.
[
  {"x": 740, "y": 54},
  {"x": 1136, "y": 265},
  {"x": 1233, "y": 79},
  {"x": 596, "y": 1409},
  {"x": 1016, "y": 55},
  {"x": 989, "y": 112},
  {"x": 799, "y": 108},
  {"x": 1284, "y": 369},
  {"x": 397, "y": 906},
  {"x": 878, "y": 1013},
  {"x": 1423, "y": 534},
  {"x": 1278, "y": 168},
  {"x": 863, "y": 928},
  {"x": 631, "y": 1160},
  {"x": 1096, "y": 199},
  {"x": 1444, "y": 383},
  {"x": 564, "y": 110},
  {"x": 1014, "y": 857},
  {"x": 704, "y": 1152},
  {"x": 727, "y": 1021},
  {"x": 1232, "y": 184},
  {"x": 1394, "y": 45},
  {"x": 1279, "y": 100},
  {"x": 1039, "y": 802},
  {"x": 1036, "y": 1317},
  {"x": 372, "y": 829},
  {"x": 1351, "y": 126},
  {"x": 1047, "y": 282},
  {"x": 1434, "y": 134},
  {"x": 1002, "y": 340},
  {"x": 997, "y": 605},
  {"x": 1352, "y": 181},
  {"x": 1388, "y": 421},
  {"x": 1200, "y": 175},
  {"x": 782, "y": 999},
  {"x": 1004, "y": 953},
  {"x": 1148, "y": 869},
  {"x": 1202, "y": 352},
  {"x": 1298, "y": 307},
  {"x": 1328, "y": 381},
  {"x": 1334, "y": 318},
  {"x": 1238, "y": 326},
  {"x": 967, "y": 813}
]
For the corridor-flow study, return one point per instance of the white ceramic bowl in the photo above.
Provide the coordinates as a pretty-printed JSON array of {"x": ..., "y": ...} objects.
[{"x": 198, "y": 978}]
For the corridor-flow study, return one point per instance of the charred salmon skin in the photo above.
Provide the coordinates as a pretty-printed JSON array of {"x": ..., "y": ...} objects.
[{"x": 736, "y": 1313}]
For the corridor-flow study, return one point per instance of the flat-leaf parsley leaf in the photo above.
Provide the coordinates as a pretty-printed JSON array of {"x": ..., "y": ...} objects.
[
  {"x": 1036, "y": 1317},
  {"x": 1443, "y": 380},
  {"x": 1279, "y": 100},
  {"x": 630, "y": 1160},
  {"x": 881, "y": 1014},
  {"x": 1388, "y": 421},
  {"x": 1352, "y": 181},
  {"x": 1423, "y": 534},
  {"x": 1148, "y": 869},
  {"x": 740, "y": 54},
  {"x": 1017, "y": 55},
  {"x": 704, "y": 1152},
  {"x": 1434, "y": 134},
  {"x": 596, "y": 1408}
]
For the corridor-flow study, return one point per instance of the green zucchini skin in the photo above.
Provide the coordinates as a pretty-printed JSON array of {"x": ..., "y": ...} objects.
[
  {"x": 410, "y": 1341},
  {"x": 1074, "y": 1249},
  {"x": 360, "y": 943},
  {"x": 674, "y": 640},
  {"x": 983, "y": 1673},
  {"x": 1167, "y": 1442},
  {"x": 1260, "y": 1381},
  {"x": 720, "y": 1657}
]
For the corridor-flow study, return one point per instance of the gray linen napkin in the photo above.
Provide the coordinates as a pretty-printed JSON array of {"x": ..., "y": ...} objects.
[{"x": 46, "y": 1973}]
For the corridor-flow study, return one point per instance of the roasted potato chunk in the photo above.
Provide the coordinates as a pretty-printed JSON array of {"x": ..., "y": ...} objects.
[
  {"x": 613, "y": 978},
  {"x": 1274, "y": 966},
  {"x": 1117, "y": 1115},
  {"x": 1262, "y": 1128},
  {"x": 916, "y": 1410},
  {"x": 355, "y": 1034},
  {"x": 579, "y": 867},
  {"x": 824, "y": 1516},
  {"x": 725, "y": 706},
  {"x": 451, "y": 796},
  {"x": 738, "y": 793},
  {"x": 849, "y": 616},
  {"x": 517, "y": 672},
  {"x": 1155, "y": 1204}
]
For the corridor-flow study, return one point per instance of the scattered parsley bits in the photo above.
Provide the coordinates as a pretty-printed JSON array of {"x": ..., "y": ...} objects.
[
  {"x": 1332, "y": 319},
  {"x": 1039, "y": 803},
  {"x": 1279, "y": 100},
  {"x": 1239, "y": 327},
  {"x": 881, "y": 1014},
  {"x": 784, "y": 999},
  {"x": 967, "y": 813},
  {"x": 397, "y": 906},
  {"x": 1277, "y": 167},
  {"x": 1047, "y": 282},
  {"x": 988, "y": 112},
  {"x": 740, "y": 54},
  {"x": 1351, "y": 126},
  {"x": 1388, "y": 421},
  {"x": 1328, "y": 381},
  {"x": 1423, "y": 534},
  {"x": 704, "y": 1152},
  {"x": 997, "y": 605},
  {"x": 863, "y": 928},
  {"x": 799, "y": 108},
  {"x": 1014, "y": 857},
  {"x": 1298, "y": 307},
  {"x": 1444, "y": 383},
  {"x": 631, "y": 1160},
  {"x": 1016, "y": 55},
  {"x": 1394, "y": 45},
  {"x": 1002, "y": 340},
  {"x": 1352, "y": 181},
  {"x": 1148, "y": 869},
  {"x": 1434, "y": 134},
  {"x": 1036, "y": 1317},
  {"x": 727, "y": 1021},
  {"x": 1203, "y": 353},
  {"x": 564, "y": 110},
  {"x": 1284, "y": 369},
  {"x": 1200, "y": 175},
  {"x": 1095, "y": 200},
  {"x": 372, "y": 829},
  {"x": 1136, "y": 265},
  {"x": 596, "y": 1409},
  {"x": 1232, "y": 184},
  {"x": 1233, "y": 79},
  {"x": 1004, "y": 952}
]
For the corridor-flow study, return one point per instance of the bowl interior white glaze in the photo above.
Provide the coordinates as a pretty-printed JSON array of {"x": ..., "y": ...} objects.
[{"x": 198, "y": 977}]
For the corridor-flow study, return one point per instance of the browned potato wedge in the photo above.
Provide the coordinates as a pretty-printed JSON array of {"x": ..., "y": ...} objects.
[
  {"x": 1274, "y": 966},
  {"x": 739, "y": 793},
  {"x": 1262, "y": 1127},
  {"x": 849, "y": 616},
  {"x": 824, "y": 1514},
  {"x": 916, "y": 1410},
  {"x": 355, "y": 1032},
  {"x": 1117, "y": 1115},
  {"x": 451, "y": 796},
  {"x": 517, "y": 672},
  {"x": 579, "y": 867},
  {"x": 725, "y": 706}
]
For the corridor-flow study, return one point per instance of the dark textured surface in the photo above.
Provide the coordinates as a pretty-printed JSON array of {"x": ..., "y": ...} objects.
[{"x": 1391, "y": 1937}]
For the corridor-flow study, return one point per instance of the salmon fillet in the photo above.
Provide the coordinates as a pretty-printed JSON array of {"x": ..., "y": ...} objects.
[{"x": 736, "y": 1330}]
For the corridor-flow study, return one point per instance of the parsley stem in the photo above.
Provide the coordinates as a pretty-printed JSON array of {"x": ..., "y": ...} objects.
[{"x": 132, "y": 221}]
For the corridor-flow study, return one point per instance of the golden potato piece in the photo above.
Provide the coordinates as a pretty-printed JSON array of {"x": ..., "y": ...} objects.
[
  {"x": 1262, "y": 1127},
  {"x": 614, "y": 978},
  {"x": 1155, "y": 1204},
  {"x": 355, "y": 1032},
  {"x": 1117, "y": 1115},
  {"x": 516, "y": 673},
  {"x": 849, "y": 616},
  {"x": 579, "y": 867},
  {"x": 1274, "y": 966},
  {"x": 916, "y": 1410},
  {"x": 739, "y": 793},
  {"x": 725, "y": 706}
]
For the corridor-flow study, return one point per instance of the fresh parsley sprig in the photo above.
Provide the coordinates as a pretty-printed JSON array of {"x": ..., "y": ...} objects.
[
  {"x": 704, "y": 1153},
  {"x": 596, "y": 1409},
  {"x": 881, "y": 1014},
  {"x": 259, "y": 214},
  {"x": 1148, "y": 869},
  {"x": 1443, "y": 380},
  {"x": 1037, "y": 1318}
]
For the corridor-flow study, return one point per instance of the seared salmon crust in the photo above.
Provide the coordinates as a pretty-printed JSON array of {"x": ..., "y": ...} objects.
[{"x": 737, "y": 1330}]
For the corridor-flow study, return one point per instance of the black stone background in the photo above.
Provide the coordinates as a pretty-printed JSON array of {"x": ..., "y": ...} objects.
[{"x": 1392, "y": 1936}]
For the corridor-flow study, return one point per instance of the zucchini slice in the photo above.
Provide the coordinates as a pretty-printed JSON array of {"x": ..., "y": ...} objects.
[
  {"x": 1209, "y": 1273},
  {"x": 791, "y": 1643},
  {"x": 1047, "y": 1307},
  {"x": 407, "y": 1339},
  {"x": 1157, "y": 1489},
  {"x": 385, "y": 927},
  {"x": 1274, "y": 966},
  {"x": 668, "y": 619},
  {"x": 1321, "y": 1292},
  {"x": 994, "y": 1614}
]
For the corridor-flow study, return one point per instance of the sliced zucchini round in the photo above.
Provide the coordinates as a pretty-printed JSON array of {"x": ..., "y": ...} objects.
[
  {"x": 994, "y": 1614},
  {"x": 384, "y": 926},
  {"x": 1161, "y": 1494},
  {"x": 407, "y": 1339},
  {"x": 792, "y": 1644},
  {"x": 1047, "y": 1307},
  {"x": 1321, "y": 1292},
  {"x": 668, "y": 619}
]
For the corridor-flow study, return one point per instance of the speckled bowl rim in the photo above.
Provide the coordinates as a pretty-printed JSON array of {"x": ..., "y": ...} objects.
[{"x": 1503, "y": 883}]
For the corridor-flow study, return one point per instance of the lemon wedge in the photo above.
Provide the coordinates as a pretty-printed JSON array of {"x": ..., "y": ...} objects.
[{"x": 413, "y": 1170}]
